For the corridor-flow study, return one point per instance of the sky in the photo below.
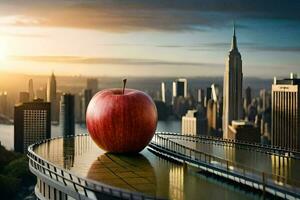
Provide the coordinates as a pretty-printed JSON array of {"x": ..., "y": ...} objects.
[{"x": 148, "y": 37}]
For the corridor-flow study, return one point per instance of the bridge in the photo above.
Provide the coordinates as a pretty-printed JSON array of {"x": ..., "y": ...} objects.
[
  {"x": 174, "y": 146},
  {"x": 268, "y": 169}
]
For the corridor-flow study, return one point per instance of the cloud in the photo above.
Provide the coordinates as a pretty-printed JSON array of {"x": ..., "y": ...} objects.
[
  {"x": 26, "y": 35},
  {"x": 20, "y": 20},
  {"x": 243, "y": 45},
  {"x": 103, "y": 61},
  {"x": 212, "y": 46},
  {"x": 295, "y": 49},
  {"x": 137, "y": 15}
]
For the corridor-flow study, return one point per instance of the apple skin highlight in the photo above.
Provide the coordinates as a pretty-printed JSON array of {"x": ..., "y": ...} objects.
[{"x": 121, "y": 123}]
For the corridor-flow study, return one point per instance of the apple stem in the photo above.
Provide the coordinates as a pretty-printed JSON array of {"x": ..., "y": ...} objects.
[{"x": 124, "y": 84}]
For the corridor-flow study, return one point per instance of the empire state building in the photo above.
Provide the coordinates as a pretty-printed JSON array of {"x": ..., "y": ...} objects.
[{"x": 233, "y": 87}]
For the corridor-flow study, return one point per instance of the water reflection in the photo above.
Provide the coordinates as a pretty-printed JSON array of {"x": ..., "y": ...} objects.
[
  {"x": 64, "y": 151},
  {"x": 132, "y": 172},
  {"x": 286, "y": 167},
  {"x": 69, "y": 152},
  {"x": 260, "y": 161},
  {"x": 176, "y": 179}
]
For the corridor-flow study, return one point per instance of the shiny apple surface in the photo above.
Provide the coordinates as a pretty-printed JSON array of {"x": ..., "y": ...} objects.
[{"x": 121, "y": 122}]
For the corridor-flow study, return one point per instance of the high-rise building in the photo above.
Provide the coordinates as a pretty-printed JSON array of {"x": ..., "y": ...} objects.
[
  {"x": 233, "y": 87},
  {"x": 67, "y": 115},
  {"x": 31, "y": 124},
  {"x": 200, "y": 96},
  {"x": 78, "y": 107},
  {"x": 244, "y": 131},
  {"x": 248, "y": 99},
  {"x": 194, "y": 123},
  {"x": 208, "y": 96},
  {"x": 3, "y": 103},
  {"x": 168, "y": 95},
  {"x": 23, "y": 97},
  {"x": 180, "y": 87},
  {"x": 265, "y": 98},
  {"x": 58, "y": 98},
  {"x": 215, "y": 92},
  {"x": 41, "y": 93},
  {"x": 92, "y": 84},
  {"x": 86, "y": 98},
  {"x": 163, "y": 92},
  {"x": 51, "y": 97},
  {"x": 174, "y": 91},
  {"x": 162, "y": 110},
  {"x": 211, "y": 113},
  {"x": 285, "y": 126},
  {"x": 30, "y": 90}
]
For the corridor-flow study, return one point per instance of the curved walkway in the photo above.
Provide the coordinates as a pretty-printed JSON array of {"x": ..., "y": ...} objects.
[
  {"x": 71, "y": 184},
  {"x": 192, "y": 150},
  {"x": 268, "y": 149},
  {"x": 281, "y": 186}
]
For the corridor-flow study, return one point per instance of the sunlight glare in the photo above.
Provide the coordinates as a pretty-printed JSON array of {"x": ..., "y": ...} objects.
[{"x": 2, "y": 52}]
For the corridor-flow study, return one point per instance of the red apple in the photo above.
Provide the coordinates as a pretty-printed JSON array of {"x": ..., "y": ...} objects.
[{"x": 121, "y": 120}]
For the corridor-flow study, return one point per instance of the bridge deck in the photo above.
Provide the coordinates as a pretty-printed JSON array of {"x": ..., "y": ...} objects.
[
  {"x": 265, "y": 171},
  {"x": 265, "y": 161}
]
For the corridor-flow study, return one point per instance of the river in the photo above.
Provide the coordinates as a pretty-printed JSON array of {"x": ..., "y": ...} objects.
[{"x": 7, "y": 131}]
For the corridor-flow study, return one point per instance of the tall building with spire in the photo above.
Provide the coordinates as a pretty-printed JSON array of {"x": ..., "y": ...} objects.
[
  {"x": 233, "y": 87},
  {"x": 51, "y": 96}
]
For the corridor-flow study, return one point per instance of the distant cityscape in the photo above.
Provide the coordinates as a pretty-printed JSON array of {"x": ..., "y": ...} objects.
[
  {"x": 229, "y": 110},
  {"x": 235, "y": 114},
  {"x": 148, "y": 100}
]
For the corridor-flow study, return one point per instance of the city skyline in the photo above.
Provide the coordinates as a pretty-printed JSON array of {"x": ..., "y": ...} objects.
[
  {"x": 160, "y": 99},
  {"x": 117, "y": 44}
]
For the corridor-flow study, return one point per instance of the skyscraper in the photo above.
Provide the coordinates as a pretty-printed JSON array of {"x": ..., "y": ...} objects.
[
  {"x": 265, "y": 98},
  {"x": 194, "y": 123},
  {"x": 243, "y": 131},
  {"x": 208, "y": 96},
  {"x": 180, "y": 87},
  {"x": 3, "y": 103},
  {"x": 57, "y": 109},
  {"x": 215, "y": 92},
  {"x": 163, "y": 92},
  {"x": 41, "y": 93},
  {"x": 23, "y": 97},
  {"x": 30, "y": 90},
  {"x": 92, "y": 84},
  {"x": 31, "y": 124},
  {"x": 233, "y": 87},
  {"x": 248, "y": 99},
  {"x": 212, "y": 116},
  {"x": 285, "y": 130},
  {"x": 200, "y": 96},
  {"x": 51, "y": 97},
  {"x": 87, "y": 96},
  {"x": 67, "y": 116},
  {"x": 78, "y": 107}
]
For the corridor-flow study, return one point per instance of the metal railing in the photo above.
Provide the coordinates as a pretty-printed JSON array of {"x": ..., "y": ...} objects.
[
  {"x": 161, "y": 143},
  {"x": 80, "y": 187},
  {"x": 283, "y": 152},
  {"x": 271, "y": 183}
]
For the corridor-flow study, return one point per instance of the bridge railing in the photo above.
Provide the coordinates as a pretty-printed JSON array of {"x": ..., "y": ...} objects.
[
  {"x": 231, "y": 167},
  {"x": 85, "y": 187},
  {"x": 265, "y": 147}
]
